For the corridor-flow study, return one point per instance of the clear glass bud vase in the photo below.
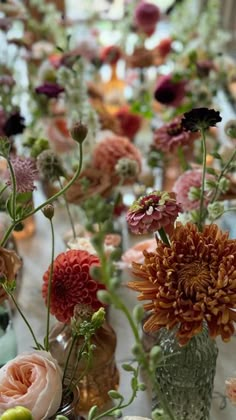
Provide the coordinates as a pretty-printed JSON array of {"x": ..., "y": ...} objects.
[
  {"x": 186, "y": 375},
  {"x": 102, "y": 374}
]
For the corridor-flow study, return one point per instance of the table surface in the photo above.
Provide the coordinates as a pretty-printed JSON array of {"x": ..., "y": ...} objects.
[{"x": 36, "y": 256}]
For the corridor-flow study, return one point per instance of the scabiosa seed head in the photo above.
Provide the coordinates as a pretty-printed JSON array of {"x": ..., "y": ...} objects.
[
  {"x": 25, "y": 174},
  {"x": 127, "y": 168},
  {"x": 48, "y": 211},
  {"x": 49, "y": 165},
  {"x": 79, "y": 132},
  {"x": 230, "y": 129}
]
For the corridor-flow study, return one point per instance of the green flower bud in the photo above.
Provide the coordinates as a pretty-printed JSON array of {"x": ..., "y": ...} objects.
[
  {"x": 115, "y": 395},
  {"x": 215, "y": 210},
  {"x": 79, "y": 132},
  {"x": 138, "y": 313},
  {"x": 224, "y": 184},
  {"x": 104, "y": 297},
  {"x": 17, "y": 413},
  {"x": 194, "y": 193},
  {"x": 230, "y": 128},
  {"x": 98, "y": 317},
  {"x": 156, "y": 355},
  {"x": 48, "y": 211}
]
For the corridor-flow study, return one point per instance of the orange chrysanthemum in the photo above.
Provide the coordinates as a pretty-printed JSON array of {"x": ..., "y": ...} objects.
[{"x": 191, "y": 281}]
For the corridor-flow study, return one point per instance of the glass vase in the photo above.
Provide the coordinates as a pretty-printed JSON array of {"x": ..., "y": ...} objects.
[
  {"x": 8, "y": 344},
  {"x": 186, "y": 375},
  {"x": 102, "y": 375},
  {"x": 68, "y": 406}
]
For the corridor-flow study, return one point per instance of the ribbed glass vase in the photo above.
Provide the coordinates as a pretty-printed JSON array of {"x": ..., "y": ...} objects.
[{"x": 186, "y": 375}]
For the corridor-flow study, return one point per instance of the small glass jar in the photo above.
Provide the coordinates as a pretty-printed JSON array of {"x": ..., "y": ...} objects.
[
  {"x": 101, "y": 377},
  {"x": 68, "y": 406},
  {"x": 8, "y": 343}
]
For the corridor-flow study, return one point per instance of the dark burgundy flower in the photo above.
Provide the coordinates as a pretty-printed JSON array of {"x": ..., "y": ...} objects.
[
  {"x": 146, "y": 17},
  {"x": 169, "y": 92},
  {"x": 200, "y": 119},
  {"x": 51, "y": 90},
  {"x": 14, "y": 124}
]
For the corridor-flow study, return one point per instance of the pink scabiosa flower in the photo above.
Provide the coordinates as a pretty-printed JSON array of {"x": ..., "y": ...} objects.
[
  {"x": 146, "y": 17},
  {"x": 170, "y": 92},
  {"x": 170, "y": 136},
  {"x": 152, "y": 212},
  {"x": 110, "y": 150},
  {"x": 25, "y": 173},
  {"x": 182, "y": 188},
  {"x": 231, "y": 389},
  {"x": 72, "y": 284}
]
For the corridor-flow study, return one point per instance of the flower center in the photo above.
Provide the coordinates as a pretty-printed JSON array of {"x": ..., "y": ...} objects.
[
  {"x": 194, "y": 277},
  {"x": 174, "y": 129}
]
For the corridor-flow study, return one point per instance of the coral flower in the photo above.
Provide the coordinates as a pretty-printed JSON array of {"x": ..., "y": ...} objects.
[
  {"x": 130, "y": 123},
  {"x": 190, "y": 282},
  {"x": 183, "y": 185},
  {"x": 111, "y": 54},
  {"x": 72, "y": 284},
  {"x": 169, "y": 92},
  {"x": 152, "y": 212},
  {"x": 170, "y": 136},
  {"x": 164, "y": 47},
  {"x": 110, "y": 150}
]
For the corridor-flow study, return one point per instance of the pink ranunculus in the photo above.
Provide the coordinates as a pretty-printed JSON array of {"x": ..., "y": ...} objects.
[
  {"x": 231, "y": 389},
  {"x": 32, "y": 380},
  {"x": 146, "y": 16}
]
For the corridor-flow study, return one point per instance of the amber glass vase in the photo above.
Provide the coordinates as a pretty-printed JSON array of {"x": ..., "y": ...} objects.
[{"x": 102, "y": 375}]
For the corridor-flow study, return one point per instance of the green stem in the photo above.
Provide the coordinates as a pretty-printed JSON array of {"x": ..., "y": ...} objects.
[
  {"x": 221, "y": 176},
  {"x": 68, "y": 210},
  {"x": 3, "y": 189},
  {"x": 13, "y": 181},
  {"x": 201, "y": 213},
  {"x": 54, "y": 197},
  {"x": 26, "y": 322},
  {"x": 68, "y": 357},
  {"x": 164, "y": 236},
  {"x": 50, "y": 287},
  {"x": 182, "y": 160},
  {"x": 7, "y": 234}
]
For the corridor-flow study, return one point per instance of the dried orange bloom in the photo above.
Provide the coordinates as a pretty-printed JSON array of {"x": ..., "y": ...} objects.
[{"x": 192, "y": 281}]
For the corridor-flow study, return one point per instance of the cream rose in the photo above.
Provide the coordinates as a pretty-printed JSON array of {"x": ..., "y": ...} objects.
[
  {"x": 32, "y": 380},
  {"x": 231, "y": 389}
]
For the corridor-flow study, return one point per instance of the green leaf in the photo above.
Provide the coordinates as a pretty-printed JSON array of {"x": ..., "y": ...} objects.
[
  {"x": 216, "y": 155},
  {"x": 92, "y": 412},
  {"x": 115, "y": 395},
  {"x": 211, "y": 171},
  {"x": 128, "y": 368},
  {"x": 9, "y": 206}
]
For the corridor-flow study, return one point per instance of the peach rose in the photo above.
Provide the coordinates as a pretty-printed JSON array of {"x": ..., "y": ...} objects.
[
  {"x": 10, "y": 263},
  {"x": 231, "y": 389},
  {"x": 32, "y": 380},
  {"x": 135, "y": 254}
]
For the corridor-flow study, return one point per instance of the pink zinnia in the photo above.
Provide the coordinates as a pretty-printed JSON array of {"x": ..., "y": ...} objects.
[
  {"x": 169, "y": 92},
  {"x": 152, "y": 212},
  {"x": 25, "y": 173},
  {"x": 72, "y": 284},
  {"x": 183, "y": 185},
  {"x": 170, "y": 136},
  {"x": 110, "y": 150},
  {"x": 146, "y": 16}
]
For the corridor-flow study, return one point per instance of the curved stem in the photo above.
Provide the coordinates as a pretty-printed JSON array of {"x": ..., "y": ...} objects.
[
  {"x": 183, "y": 163},
  {"x": 26, "y": 322},
  {"x": 13, "y": 181},
  {"x": 68, "y": 210},
  {"x": 3, "y": 189},
  {"x": 201, "y": 215},
  {"x": 50, "y": 287},
  {"x": 164, "y": 236},
  {"x": 58, "y": 194},
  {"x": 215, "y": 196},
  {"x": 68, "y": 357}
]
